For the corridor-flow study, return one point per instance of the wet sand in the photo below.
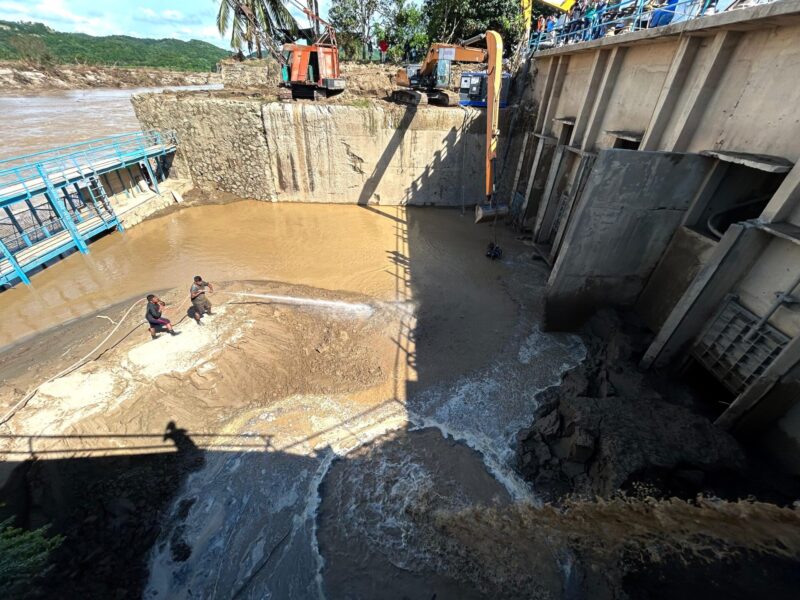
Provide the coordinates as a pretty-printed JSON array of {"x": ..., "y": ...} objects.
[{"x": 269, "y": 393}]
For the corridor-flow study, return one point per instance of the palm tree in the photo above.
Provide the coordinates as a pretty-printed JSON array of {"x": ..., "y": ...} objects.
[{"x": 248, "y": 19}]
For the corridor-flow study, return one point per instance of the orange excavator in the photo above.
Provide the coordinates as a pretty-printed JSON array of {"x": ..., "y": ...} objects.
[
  {"x": 427, "y": 82},
  {"x": 313, "y": 71},
  {"x": 307, "y": 71}
]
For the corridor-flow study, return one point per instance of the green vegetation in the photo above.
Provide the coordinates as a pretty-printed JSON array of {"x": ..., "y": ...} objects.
[
  {"x": 410, "y": 27},
  {"x": 37, "y": 44},
  {"x": 254, "y": 22},
  {"x": 23, "y": 556}
]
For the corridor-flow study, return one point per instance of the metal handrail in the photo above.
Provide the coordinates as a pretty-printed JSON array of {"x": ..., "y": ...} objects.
[
  {"x": 68, "y": 149},
  {"x": 637, "y": 15},
  {"x": 124, "y": 148}
]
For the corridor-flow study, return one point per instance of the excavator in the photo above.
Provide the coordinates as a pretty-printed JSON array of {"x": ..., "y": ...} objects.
[
  {"x": 307, "y": 71},
  {"x": 427, "y": 82},
  {"x": 313, "y": 71}
]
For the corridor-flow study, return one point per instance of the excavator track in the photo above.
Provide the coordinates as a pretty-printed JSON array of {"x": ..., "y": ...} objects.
[
  {"x": 417, "y": 97},
  {"x": 412, "y": 97}
]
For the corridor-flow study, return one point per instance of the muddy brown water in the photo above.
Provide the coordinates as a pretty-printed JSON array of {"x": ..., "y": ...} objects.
[
  {"x": 43, "y": 120},
  {"x": 452, "y": 347},
  {"x": 343, "y": 248}
]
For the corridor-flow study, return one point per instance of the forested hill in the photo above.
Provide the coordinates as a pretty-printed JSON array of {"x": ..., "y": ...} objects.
[{"x": 39, "y": 44}]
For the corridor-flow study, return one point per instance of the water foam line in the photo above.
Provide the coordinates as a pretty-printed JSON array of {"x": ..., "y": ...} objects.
[{"x": 358, "y": 308}]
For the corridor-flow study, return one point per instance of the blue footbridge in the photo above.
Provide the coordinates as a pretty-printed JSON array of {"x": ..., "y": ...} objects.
[{"x": 53, "y": 202}]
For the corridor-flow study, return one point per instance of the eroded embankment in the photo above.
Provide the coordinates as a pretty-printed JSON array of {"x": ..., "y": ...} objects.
[
  {"x": 369, "y": 152},
  {"x": 25, "y": 77}
]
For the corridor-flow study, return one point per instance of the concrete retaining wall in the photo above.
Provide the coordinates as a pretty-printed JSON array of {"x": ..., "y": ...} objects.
[
  {"x": 376, "y": 153},
  {"x": 252, "y": 73}
]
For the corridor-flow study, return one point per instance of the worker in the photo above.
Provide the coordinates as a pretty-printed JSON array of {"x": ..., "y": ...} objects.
[
  {"x": 200, "y": 303},
  {"x": 153, "y": 315}
]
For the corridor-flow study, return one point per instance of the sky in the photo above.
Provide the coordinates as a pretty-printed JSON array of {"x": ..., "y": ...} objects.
[{"x": 181, "y": 19}]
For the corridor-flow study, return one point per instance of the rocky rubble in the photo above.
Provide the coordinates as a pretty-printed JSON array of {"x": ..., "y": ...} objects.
[{"x": 606, "y": 428}]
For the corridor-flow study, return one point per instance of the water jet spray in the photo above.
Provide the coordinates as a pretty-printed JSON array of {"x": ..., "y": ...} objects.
[{"x": 357, "y": 308}]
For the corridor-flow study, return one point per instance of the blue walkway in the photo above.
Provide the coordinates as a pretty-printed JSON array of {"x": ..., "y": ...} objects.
[{"x": 53, "y": 202}]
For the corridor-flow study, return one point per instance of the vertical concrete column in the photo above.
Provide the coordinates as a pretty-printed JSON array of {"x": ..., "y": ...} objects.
[
  {"x": 785, "y": 200},
  {"x": 555, "y": 94},
  {"x": 699, "y": 92},
  {"x": 670, "y": 91},
  {"x": 610, "y": 74},
  {"x": 548, "y": 88},
  {"x": 62, "y": 213},
  {"x": 587, "y": 104}
]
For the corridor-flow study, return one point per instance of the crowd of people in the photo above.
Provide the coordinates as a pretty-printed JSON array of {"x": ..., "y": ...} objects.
[{"x": 593, "y": 19}]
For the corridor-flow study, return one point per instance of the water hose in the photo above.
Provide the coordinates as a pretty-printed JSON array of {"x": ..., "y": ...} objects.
[
  {"x": 330, "y": 304},
  {"x": 25, "y": 399}
]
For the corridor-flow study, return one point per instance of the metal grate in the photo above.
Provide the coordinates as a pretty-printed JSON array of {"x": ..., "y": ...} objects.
[{"x": 723, "y": 348}]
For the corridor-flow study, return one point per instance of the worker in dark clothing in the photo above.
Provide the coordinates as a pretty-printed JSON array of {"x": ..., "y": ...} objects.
[
  {"x": 154, "y": 319},
  {"x": 200, "y": 303}
]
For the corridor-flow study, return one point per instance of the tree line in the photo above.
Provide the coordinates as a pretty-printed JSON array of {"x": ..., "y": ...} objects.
[
  {"x": 406, "y": 26},
  {"x": 409, "y": 28},
  {"x": 37, "y": 44}
]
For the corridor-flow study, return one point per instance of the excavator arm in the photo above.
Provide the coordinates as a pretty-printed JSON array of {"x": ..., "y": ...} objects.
[
  {"x": 494, "y": 50},
  {"x": 491, "y": 210}
]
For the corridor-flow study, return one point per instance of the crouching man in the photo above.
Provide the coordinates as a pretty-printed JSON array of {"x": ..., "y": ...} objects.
[
  {"x": 154, "y": 319},
  {"x": 200, "y": 303}
]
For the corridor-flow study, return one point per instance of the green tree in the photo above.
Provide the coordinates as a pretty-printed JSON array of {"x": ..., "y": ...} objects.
[
  {"x": 356, "y": 18},
  {"x": 451, "y": 20},
  {"x": 249, "y": 19},
  {"x": 403, "y": 26},
  {"x": 31, "y": 49},
  {"x": 23, "y": 556}
]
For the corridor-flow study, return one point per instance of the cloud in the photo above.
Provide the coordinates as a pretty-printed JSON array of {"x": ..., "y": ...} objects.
[
  {"x": 57, "y": 14},
  {"x": 167, "y": 16}
]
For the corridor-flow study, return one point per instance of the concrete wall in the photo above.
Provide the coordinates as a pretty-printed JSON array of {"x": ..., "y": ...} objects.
[
  {"x": 631, "y": 206},
  {"x": 249, "y": 74},
  {"x": 304, "y": 152},
  {"x": 724, "y": 83}
]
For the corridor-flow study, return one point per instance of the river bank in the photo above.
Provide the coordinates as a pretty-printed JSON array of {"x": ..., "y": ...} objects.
[{"x": 19, "y": 76}]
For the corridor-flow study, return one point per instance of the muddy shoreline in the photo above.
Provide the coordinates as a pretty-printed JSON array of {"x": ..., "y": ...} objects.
[{"x": 19, "y": 76}]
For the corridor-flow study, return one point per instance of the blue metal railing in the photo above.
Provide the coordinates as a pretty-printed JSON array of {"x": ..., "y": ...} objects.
[
  {"x": 618, "y": 18},
  {"x": 20, "y": 176}
]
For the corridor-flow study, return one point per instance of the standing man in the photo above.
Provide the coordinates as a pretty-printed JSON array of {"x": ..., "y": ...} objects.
[
  {"x": 384, "y": 48},
  {"x": 199, "y": 301},
  {"x": 154, "y": 319}
]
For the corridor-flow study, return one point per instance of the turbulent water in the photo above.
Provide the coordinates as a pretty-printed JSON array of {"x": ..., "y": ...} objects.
[{"x": 257, "y": 533}]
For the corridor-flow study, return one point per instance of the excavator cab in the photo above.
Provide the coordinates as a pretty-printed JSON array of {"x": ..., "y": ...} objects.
[{"x": 311, "y": 71}]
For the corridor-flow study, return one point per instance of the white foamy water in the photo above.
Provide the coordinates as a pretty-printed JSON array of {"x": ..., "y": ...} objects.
[
  {"x": 253, "y": 525},
  {"x": 486, "y": 409}
]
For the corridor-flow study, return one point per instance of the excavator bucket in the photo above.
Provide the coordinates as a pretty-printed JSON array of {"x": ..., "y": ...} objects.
[{"x": 489, "y": 212}]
